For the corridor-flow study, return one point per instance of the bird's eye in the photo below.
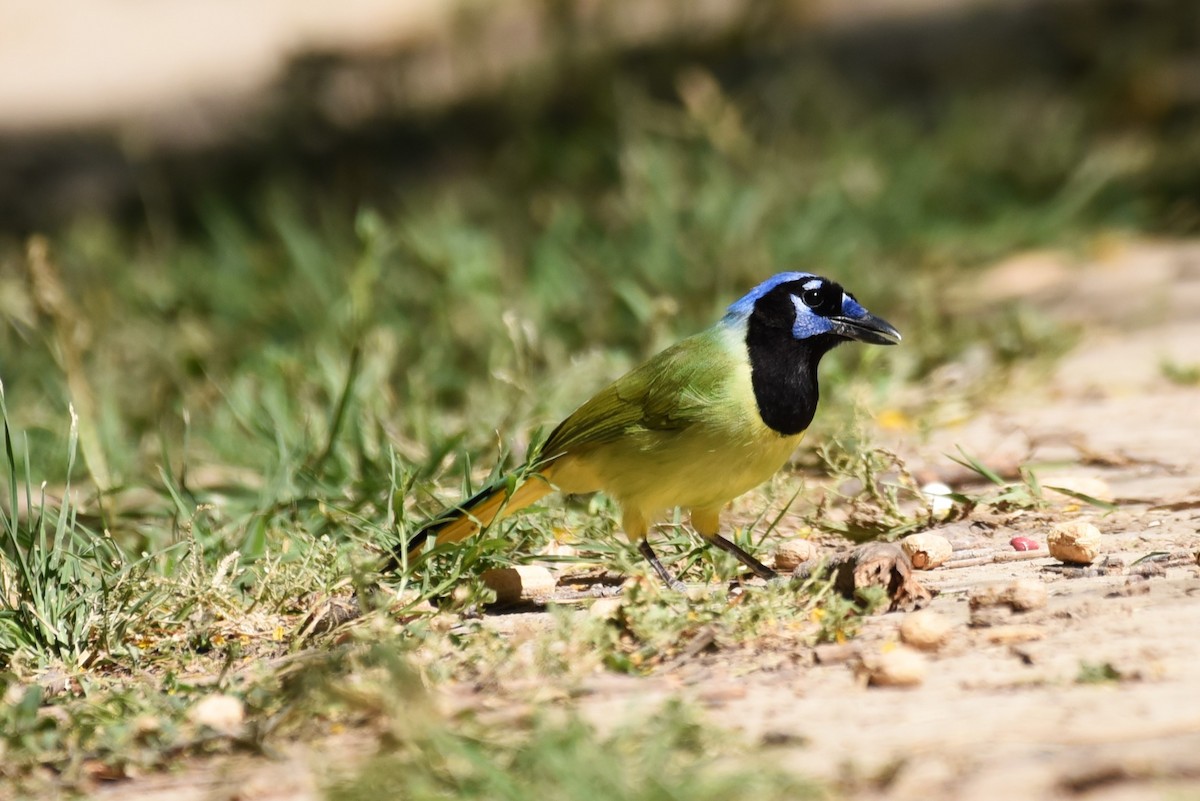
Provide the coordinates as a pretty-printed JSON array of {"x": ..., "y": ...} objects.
[{"x": 811, "y": 298}]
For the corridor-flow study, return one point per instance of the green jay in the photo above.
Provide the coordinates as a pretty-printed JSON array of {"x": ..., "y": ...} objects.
[{"x": 695, "y": 426}]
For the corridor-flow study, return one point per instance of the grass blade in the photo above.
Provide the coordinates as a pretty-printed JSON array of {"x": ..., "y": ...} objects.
[
  {"x": 971, "y": 463},
  {"x": 1108, "y": 506}
]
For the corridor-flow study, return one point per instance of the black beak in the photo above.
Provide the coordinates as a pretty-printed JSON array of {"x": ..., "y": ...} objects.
[{"x": 870, "y": 329}]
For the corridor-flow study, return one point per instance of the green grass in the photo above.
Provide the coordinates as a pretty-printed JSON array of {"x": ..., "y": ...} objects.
[
  {"x": 67, "y": 593},
  {"x": 666, "y": 756},
  {"x": 270, "y": 397}
]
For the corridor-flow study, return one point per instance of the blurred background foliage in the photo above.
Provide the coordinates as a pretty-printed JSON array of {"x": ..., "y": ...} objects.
[{"x": 322, "y": 308}]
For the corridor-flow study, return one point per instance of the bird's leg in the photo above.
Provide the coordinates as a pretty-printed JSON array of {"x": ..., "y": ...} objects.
[
  {"x": 758, "y": 568},
  {"x": 636, "y": 528},
  {"x": 645, "y": 550},
  {"x": 707, "y": 523}
]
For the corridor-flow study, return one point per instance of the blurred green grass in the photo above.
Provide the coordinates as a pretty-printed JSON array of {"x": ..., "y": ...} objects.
[
  {"x": 288, "y": 350},
  {"x": 502, "y": 294}
]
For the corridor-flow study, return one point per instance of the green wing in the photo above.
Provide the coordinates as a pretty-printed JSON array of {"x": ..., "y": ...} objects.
[{"x": 670, "y": 392}]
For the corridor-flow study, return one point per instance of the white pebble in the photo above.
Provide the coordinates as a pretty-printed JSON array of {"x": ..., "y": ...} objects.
[{"x": 938, "y": 496}]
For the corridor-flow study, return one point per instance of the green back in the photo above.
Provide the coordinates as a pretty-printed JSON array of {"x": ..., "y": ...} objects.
[{"x": 670, "y": 392}]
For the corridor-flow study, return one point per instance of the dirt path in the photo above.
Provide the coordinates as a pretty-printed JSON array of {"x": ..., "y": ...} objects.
[{"x": 999, "y": 714}]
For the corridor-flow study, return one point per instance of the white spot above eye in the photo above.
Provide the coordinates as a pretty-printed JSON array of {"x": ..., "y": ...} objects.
[{"x": 813, "y": 284}]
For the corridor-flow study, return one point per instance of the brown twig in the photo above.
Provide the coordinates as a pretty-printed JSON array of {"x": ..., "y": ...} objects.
[{"x": 1015, "y": 556}]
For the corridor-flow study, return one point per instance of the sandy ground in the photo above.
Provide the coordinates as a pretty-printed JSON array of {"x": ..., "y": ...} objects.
[{"x": 1000, "y": 713}]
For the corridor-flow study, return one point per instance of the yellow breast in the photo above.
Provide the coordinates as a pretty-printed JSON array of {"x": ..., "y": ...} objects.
[{"x": 725, "y": 452}]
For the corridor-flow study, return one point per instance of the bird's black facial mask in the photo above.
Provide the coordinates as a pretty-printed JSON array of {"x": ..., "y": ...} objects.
[
  {"x": 816, "y": 297},
  {"x": 791, "y": 326}
]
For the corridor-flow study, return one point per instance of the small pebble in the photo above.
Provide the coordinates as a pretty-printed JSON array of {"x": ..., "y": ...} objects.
[
  {"x": 792, "y": 553},
  {"x": 836, "y": 653},
  {"x": 1134, "y": 585},
  {"x": 993, "y": 604},
  {"x": 556, "y": 548},
  {"x": 605, "y": 608},
  {"x": 1075, "y": 542},
  {"x": 927, "y": 550},
  {"x": 223, "y": 714},
  {"x": 562, "y": 559},
  {"x": 1023, "y": 544},
  {"x": 1148, "y": 570},
  {"x": 926, "y": 629},
  {"x": 520, "y": 583},
  {"x": 895, "y": 667}
]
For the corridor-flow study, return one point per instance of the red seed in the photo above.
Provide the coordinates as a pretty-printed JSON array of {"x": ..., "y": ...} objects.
[{"x": 1023, "y": 544}]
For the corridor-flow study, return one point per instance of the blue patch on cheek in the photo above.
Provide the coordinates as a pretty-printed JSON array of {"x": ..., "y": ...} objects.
[{"x": 808, "y": 323}]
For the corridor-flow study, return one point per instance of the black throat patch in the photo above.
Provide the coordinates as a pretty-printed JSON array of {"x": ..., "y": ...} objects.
[{"x": 783, "y": 369}]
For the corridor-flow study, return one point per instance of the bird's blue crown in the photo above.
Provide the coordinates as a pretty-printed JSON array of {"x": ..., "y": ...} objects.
[
  {"x": 817, "y": 302},
  {"x": 742, "y": 307}
]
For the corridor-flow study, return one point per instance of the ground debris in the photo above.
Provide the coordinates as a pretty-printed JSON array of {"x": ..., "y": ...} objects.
[
  {"x": 1024, "y": 544},
  {"x": 1164, "y": 559},
  {"x": 1110, "y": 565},
  {"x": 1074, "y": 542},
  {"x": 993, "y": 604},
  {"x": 897, "y": 666},
  {"x": 1134, "y": 585},
  {"x": 605, "y": 608},
  {"x": 520, "y": 583},
  {"x": 925, "y": 629},
  {"x": 880, "y": 564},
  {"x": 1012, "y": 634},
  {"x": 836, "y": 653},
  {"x": 327, "y": 612},
  {"x": 926, "y": 550},
  {"x": 981, "y": 556},
  {"x": 223, "y": 714},
  {"x": 792, "y": 553}
]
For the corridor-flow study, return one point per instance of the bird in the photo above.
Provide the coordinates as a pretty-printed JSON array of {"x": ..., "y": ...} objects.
[{"x": 693, "y": 427}]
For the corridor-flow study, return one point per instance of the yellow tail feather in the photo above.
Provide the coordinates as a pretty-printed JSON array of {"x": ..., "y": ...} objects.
[{"x": 482, "y": 510}]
